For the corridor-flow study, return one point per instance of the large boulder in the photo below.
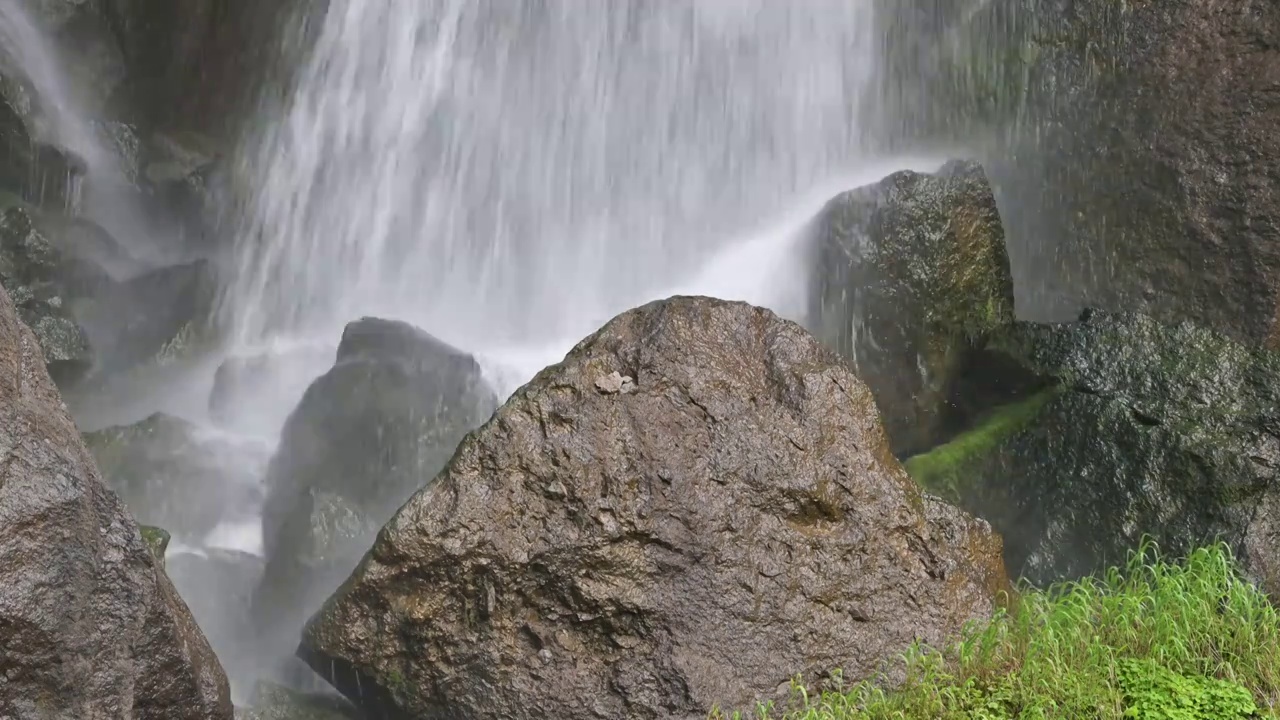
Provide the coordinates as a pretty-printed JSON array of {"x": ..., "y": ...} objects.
[
  {"x": 156, "y": 317},
  {"x": 697, "y": 504},
  {"x": 180, "y": 476},
  {"x": 367, "y": 434},
  {"x": 910, "y": 276},
  {"x": 30, "y": 270},
  {"x": 93, "y": 627},
  {"x": 1124, "y": 428}
]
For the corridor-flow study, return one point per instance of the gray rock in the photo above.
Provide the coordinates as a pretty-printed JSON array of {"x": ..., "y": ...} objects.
[
  {"x": 910, "y": 276},
  {"x": 365, "y": 437},
  {"x": 735, "y": 520},
  {"x": 178, "y": 476},
  {"x": 242, "y": 382},
  {"x": 94, "y": 629},
  {"x": 1142, "y": 178},
  {"x": 157, "y": 317},
  {"x": 30, "y": 268},
  {"x": 1125, "y": 427}
]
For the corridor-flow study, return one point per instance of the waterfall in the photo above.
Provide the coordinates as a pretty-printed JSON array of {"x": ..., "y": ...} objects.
[
  {"x": 105, "y": 194},
  {"x": 503, "y": 174}
]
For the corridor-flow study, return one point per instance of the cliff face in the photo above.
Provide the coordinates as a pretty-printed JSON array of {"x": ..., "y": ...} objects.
[{"x": 1127, "y": 143}]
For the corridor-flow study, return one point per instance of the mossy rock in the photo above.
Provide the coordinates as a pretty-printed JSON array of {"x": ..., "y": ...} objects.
[
  {"x": 911, "y": 276},
  {"x": 157, "y": 541},
  {"x": 1144, "y": 429}
]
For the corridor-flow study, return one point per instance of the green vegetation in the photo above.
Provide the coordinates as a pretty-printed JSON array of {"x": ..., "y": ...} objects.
[
  {"x": 1158, "y": 640},
  {"x": 943, "y": 470}
]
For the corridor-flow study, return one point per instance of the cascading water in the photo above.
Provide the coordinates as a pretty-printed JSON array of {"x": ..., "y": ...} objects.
[
  {"x": 506, "y": 174},
  {"x": 105, "y": 193}
]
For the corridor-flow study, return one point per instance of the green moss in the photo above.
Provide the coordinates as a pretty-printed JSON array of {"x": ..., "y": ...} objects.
[
  {"x": 157, "y": 541},
  {"x": 947, "y": 470},
  {"x": 1189, "y": 640}
]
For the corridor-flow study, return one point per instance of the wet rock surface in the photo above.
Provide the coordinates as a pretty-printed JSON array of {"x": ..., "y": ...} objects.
[
  {"x": 179, "y": 476},
  {"x": 276, "y": 702},
  {"x": 367, "y": 434},
  {"x": 733, "y": 520},
  {"x": 1147, "y": 179},
  {"x": 158, "y": 316},
  {"x": 30, "y": 267},
  {"x": 911, "y": 275},
  {"x": 94, "y": 627},
  {"x": 1126, "y": 427}
]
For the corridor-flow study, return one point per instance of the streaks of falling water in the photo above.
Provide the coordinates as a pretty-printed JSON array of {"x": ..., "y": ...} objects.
[
  {"x": 104, "y": 194},
  {"x": 500, "y": 172}
]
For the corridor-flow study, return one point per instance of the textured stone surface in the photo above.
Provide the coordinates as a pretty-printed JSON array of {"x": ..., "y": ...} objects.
[
  {"x": 93, "y": 628},
  {"x": 1147, "y": 180},
  {"x": 179, "y": 476},
  {"x": 30, "y": 270},
  {"x": 734, "y": 519},
  {"x": 1130, "y": 428},
  {"x": 911, "y": 274},
  {"x": 366, "y": 435}
]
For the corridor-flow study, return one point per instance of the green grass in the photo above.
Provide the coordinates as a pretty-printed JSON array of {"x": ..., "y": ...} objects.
[{"x": 1157, "y": 640}]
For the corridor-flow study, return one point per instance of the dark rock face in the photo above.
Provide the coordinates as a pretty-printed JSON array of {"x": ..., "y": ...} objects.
[
  {"x": 29, "y": 270},
  {"x": 178, "y": 476},
  {"x": 366, "y": 436},
  {"x": 1135, "y": 428},
  {"x": 723, "y": 514},
  {"x": 911, "y": 275},
  {"x": 155, "y": 317},
  {"x": 1148, "y": 180},
  {"x": 193, "y": 65},
  {"x": 32, "y": 170},
  {"x": 93, "y": 628}
]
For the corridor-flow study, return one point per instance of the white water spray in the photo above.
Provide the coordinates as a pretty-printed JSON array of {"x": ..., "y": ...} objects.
[{"x": 504, "y": 174}]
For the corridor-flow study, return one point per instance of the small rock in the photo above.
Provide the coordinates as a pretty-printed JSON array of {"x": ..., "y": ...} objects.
[{"x": 615, "y": 383}]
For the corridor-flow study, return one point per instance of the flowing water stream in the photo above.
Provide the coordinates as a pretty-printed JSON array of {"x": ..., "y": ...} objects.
[{"x": 509, "y": 175}]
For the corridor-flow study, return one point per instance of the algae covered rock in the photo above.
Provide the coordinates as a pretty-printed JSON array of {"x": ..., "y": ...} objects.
[
  {"x": 1127, "y": 428},
  {"x": 177, "y": 475},
  {"x": 367, "y": 434},
  {"x": 733, "y": 519},
  {"x": 911, "y": 275},
  {"x": 157, "y": 541},
  {"x": 92, "y": 626}
]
